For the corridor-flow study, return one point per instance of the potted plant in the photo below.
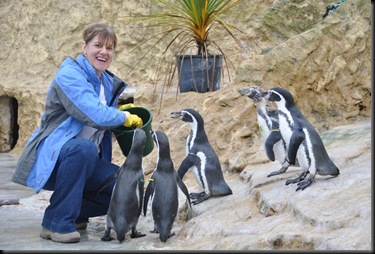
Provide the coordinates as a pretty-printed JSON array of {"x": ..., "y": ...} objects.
[{"x": 187, "y": 24}]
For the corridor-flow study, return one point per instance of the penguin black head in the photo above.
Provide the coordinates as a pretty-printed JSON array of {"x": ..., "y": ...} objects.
[
  {"x": 189, "y": 115},
  {"x": 139, "y": 140},
  {"x": 255, "y": 93},
  {"x": 280, "y": 96},
  {"x": 162, "y": 143}
]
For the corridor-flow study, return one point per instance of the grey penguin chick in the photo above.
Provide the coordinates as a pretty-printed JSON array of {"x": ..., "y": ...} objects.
[
  {"x": 163, "y": 188},
  {"x": 201, "y": 158},
  {"x": 127, "y": 197},
  {"x": 302, "y": 140},
  {"x": 268, "y": 122}
]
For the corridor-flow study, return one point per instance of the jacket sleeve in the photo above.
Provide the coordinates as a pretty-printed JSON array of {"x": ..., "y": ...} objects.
[{"x": 82, "y": 102}]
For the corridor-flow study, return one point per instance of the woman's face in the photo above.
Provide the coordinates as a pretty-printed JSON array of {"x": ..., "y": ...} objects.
[{"x": 99, "y": 55}]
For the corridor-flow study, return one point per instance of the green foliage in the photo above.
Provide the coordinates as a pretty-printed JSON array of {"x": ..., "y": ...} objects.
[
  {"x": 175, "y": 27},
  {"x": 189, "y": 22}
]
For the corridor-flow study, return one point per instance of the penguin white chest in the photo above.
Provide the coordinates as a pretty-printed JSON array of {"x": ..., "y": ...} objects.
[
  {"x": 263, "y": 127},
  {"x": 285, "y": 129},
  {"x": 199, "y": 172},
  {"x": 305, "y": 154}
]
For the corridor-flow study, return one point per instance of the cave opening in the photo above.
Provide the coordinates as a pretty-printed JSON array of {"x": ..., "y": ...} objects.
[{"x": 9, "y": 130}]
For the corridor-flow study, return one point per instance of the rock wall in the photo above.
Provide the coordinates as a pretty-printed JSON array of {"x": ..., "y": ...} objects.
[{"x": 324, "y": 63}]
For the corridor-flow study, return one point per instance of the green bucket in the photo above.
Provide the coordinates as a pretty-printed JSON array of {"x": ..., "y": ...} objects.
[{"x": 124, "y": 135}]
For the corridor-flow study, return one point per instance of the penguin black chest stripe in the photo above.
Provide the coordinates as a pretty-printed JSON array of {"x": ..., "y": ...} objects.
[
  {"x": 308, "y": 150},
  {"x": 266, "y": 119},
  {"x": 287, "y": 117}
]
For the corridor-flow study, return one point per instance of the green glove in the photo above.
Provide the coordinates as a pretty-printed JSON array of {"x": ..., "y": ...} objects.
[
  {"x": 133, "y": 121},
  {"x": 125, "y": 106}
]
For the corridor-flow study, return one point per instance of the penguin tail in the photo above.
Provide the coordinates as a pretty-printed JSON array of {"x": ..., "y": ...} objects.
[
  {"x": 332, "y": 170},
  {"x": 163, "y": 238},
  {"x": 222, "y": 190},
  {"x": 337, "y": 173},
  {"x": 165, "y": 235}
]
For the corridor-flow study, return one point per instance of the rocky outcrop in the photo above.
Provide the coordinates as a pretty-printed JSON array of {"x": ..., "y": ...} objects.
[
  {"x": 334, "y": 213},
  {"x": 324, "y": 63}
]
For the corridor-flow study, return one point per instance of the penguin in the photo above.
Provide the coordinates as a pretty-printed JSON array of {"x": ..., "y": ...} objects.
[
  {"x": 127, "y": 197},
  {"x": 268, "y": 122},
  {"x": 202, "y": 159},
  {"x": 163, "y": 188},
  {"x": 332, "y": 7},
  {"x": 302, "y": 140}
]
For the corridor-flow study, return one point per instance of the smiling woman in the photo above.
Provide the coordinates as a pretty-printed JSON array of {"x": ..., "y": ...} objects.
[
  {"x": 99, "y": 46},
  {"x": 70, "y": 153}
]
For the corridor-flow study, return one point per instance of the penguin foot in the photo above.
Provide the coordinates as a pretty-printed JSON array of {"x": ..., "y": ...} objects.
[
  {"x": 107, "y": 236},
  {"x": 303, "y": 185},
  {"x": 298, "y": 179},
  {"x": 154, "y": 231},
  {"x": 200, "y": 199},
  {"x": 136, "y": 234},
  {"x": 195, "y": 195},
  {"x": 283, "y": 168},
  {"x": 289, "y": 181},
  {"x": 277, "y": 172},
  {"x": 105, "y": 239}
]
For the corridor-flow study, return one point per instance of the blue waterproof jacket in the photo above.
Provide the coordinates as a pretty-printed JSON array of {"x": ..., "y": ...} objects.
[{"x": 72, "y": 102}]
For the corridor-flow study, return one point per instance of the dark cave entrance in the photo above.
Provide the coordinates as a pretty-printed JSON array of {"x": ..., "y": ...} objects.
[{"x": 9, "y": 123}]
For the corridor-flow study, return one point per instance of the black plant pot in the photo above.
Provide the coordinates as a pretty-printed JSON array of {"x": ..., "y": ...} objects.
[{"x": 197, "y": 73}]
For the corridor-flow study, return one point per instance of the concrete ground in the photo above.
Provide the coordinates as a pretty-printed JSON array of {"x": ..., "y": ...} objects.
[{"x": 21, "y": 223}]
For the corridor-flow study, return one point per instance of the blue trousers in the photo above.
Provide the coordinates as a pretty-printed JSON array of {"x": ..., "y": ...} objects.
[{"x": 75, "y": 180}]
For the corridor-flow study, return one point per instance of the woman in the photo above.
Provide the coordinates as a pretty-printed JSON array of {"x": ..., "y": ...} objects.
[{"x": 70, "y": 153}]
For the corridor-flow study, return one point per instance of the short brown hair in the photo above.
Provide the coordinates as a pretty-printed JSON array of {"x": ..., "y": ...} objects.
[{"x": 107, "y": 35}]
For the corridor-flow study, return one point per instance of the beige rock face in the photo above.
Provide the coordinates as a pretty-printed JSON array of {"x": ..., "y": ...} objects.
[{"x": 325, "y": 64}]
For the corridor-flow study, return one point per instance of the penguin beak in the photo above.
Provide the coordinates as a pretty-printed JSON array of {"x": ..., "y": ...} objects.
[
  {"x": 253, "y": 93},
  {"x": 177, "y": 115},
  {"x": 244, "y": 91}
]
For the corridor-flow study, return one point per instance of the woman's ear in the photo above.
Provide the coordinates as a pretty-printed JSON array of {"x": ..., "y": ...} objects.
[{"x": 84, "y": 45}]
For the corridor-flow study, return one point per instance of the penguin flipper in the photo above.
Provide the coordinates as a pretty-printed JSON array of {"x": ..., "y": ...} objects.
[
  {"x": 149, "y": 192},
  {"x": 141, "y": 185},
  {"x": 304, "y": 184},
  {"x": 107, "y": 181},
  {"x": 271, "y": 140},
  {"x": 186, "y": 164},
  {"x": 183, "y": 188},
  {"x": 298, "y": 136}
]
